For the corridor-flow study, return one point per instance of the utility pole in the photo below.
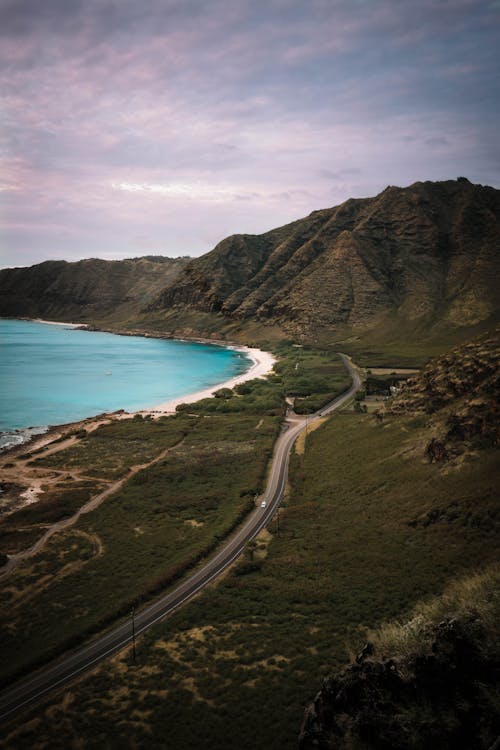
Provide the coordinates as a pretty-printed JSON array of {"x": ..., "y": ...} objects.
[{"x": 133, "y": 634}]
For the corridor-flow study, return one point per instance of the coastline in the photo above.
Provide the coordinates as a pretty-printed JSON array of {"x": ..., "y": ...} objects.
[
  {"x": 262, "y": 365},
  {"x": 57, "y": 323}
]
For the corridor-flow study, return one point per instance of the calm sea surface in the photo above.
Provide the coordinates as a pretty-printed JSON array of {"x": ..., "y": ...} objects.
[{"x": 50, "y": 374}]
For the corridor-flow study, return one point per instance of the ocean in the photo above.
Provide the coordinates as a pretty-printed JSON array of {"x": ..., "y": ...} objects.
[{"x": 54, "y": 374}]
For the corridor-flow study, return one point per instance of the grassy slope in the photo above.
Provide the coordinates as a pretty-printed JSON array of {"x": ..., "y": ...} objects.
[
  {"x": 398, "y": 341},
  {"x": 357, "y": 546},
  {"x": 142, "y": 537}
]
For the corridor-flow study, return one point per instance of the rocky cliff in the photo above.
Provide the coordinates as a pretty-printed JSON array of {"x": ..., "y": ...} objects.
[
  {"x": 427, "y": 254},
  {"x": 427, "y": 683},
  {"x": 459, "y": 392},
  {"x": 88, "y": 290}
]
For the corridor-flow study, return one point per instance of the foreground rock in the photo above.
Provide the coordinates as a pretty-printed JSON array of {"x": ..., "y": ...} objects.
[{"x": 441, "y": 693}]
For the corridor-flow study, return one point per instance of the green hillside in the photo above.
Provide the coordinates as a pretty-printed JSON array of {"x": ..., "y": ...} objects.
[{"x": 371, "y": 529}]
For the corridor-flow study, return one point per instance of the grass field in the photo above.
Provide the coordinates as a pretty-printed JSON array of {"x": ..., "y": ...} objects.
[
  {"x": 112, "y": 449},
  {"x": 370, "y": 529},
  {"x": 148, "y": 534}
]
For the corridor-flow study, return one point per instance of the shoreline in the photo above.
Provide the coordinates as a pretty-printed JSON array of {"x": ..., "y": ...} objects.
[
  {"x": 262, "y": 364},
  {"x": 54, "y": 323}
]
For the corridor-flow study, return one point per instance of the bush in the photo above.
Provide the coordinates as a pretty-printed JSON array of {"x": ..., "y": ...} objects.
[
  {"x": 247, "y": 567},
  {"x": 224, "y": 393}
]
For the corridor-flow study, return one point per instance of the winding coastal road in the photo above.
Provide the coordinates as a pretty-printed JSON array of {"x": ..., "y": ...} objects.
[{"x": 30, "y": 690}]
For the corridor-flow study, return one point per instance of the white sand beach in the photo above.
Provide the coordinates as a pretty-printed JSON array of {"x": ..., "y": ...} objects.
[
  {"x": 58, "y": 323},
  {"x": 263, "y": 363}
]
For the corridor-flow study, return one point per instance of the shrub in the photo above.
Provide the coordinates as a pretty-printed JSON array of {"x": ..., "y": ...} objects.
[
  {"x": 247, "y": 567},
  {"x": 224, "y": 393}
]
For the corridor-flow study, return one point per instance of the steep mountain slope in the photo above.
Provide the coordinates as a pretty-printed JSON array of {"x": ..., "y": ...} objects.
[
  {"x": 405, "y": 274},
  {"x": 427, "y": 254},
  {"x": 88, "y": 290}
]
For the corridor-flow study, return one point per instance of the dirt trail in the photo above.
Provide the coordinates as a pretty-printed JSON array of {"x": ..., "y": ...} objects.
[
  {"x": 93, "y": 503},
  {"x": 17, "y": 470},
  {"x": 45, "y": 580}
]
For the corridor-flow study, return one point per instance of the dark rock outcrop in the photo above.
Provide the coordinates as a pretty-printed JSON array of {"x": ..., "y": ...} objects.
[
  {"x": 440, "y": 698},
  {"x": 460, "y": 392}
]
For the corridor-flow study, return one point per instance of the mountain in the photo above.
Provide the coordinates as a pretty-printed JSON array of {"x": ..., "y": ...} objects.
[
  {"x": 88, "y": 290},
  {"x": 417, "y": 258},
  {"x": 398, "y": 277}
]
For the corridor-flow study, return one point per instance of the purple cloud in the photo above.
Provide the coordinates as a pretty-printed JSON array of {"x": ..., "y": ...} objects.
[{"x": 164, "y": 126}]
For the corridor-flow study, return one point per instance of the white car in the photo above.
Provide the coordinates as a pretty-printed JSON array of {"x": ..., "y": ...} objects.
[{"x": 263, "y": 504}]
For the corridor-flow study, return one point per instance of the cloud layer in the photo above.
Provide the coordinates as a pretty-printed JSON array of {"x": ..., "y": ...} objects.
[{"x": 160, "y": 127}]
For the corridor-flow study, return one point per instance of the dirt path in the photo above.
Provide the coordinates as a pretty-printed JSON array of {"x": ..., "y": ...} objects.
[
  {"x": 18, "y": 472},
  {"x": 93, "y": 503},
  {"x": 23, "y": 595}
]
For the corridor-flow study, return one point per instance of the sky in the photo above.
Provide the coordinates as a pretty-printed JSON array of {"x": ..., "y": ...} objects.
[{"x": 160, "y": 127}]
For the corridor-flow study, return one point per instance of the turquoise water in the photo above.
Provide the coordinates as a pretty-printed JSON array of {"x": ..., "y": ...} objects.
[{"x": 51, "y": 374}]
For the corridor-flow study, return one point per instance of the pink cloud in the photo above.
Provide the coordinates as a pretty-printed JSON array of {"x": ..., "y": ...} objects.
[{"x": 258, "y": 104}]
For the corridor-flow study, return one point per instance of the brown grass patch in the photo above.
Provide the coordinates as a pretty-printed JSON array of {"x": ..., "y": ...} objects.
[
  {"x": 393, "y": 371},
  {"x": 300, "y": 443}
]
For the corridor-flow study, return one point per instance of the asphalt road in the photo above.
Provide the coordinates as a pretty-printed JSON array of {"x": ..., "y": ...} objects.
[{"x": 31, "y": 689}]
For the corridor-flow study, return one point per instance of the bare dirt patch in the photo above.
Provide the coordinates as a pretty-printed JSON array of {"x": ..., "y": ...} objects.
[
  {"x": 65, "y": 523},
  {"x": 300, "y": 443}
]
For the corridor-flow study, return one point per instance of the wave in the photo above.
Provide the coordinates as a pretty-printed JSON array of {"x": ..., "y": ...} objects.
[{"x": 10, "y": 440}]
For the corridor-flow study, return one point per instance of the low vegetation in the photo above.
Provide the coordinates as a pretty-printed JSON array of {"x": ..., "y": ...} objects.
[
  {"x": 112, "y": 449},
  {"x": 311, "y": 377},
  {"x": 145, "y": 536},
  {"x": 370, "y": 528}
]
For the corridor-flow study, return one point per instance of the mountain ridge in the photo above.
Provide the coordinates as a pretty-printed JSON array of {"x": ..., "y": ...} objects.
[
  {"x": 412, "y": 270},
  {"x": 418, "y": 252},
  {"x": 85, "y": 290}
]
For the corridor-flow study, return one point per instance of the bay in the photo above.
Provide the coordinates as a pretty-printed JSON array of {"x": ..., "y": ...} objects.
[{"x": 54, "y": 374}]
